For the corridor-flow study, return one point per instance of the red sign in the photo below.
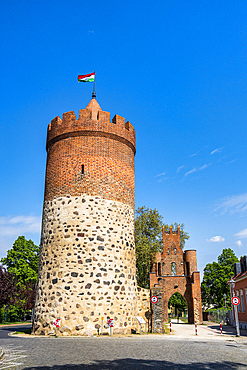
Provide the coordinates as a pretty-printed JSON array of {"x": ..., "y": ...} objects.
[
  {"x": 154, "y": 299},
  {"x": 235, "y": 301},
  {"x": 57, "y": 323},
  {"x": 110, "y": 323}
]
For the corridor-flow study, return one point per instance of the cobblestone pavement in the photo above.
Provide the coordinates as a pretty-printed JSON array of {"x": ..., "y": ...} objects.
[{"x": 140, "y": 352}]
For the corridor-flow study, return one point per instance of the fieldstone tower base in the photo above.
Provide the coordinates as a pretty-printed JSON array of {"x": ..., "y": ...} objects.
[{"x": 88, "y": 266}]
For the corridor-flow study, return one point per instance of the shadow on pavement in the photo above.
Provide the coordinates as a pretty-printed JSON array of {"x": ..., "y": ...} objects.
[
  {"x": 130, "y": 364},
  {"x": 227, "y": 329}
]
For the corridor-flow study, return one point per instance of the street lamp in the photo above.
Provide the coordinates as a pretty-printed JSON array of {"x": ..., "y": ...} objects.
[{"x": 232, "y": 285}]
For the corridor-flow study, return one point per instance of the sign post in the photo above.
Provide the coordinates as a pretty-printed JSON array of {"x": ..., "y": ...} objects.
[
  {"x": 57, "y": 324},
  {"x": 102, "y": 323},
  {"x": 110, "y": 323},
  {"x": 141, "y": 321},
  {"x": 236, "y": 302},
  {"x": 154, "y": 300}
]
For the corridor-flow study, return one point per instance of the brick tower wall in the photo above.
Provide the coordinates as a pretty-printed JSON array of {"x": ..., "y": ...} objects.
[
  {"x": 87, "y": 257},
  {"x": 190, "y": 261}
]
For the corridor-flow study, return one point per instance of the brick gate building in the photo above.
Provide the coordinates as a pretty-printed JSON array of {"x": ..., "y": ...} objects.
[{"x": 176, "y": 271}]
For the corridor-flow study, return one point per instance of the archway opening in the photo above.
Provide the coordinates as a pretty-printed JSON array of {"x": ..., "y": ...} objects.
[{"x": 177, "y": 306}]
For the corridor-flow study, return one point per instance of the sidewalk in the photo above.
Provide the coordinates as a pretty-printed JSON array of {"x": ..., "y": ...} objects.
[
  {"x": 209, "y": 330},
  {"x": 226, "y": 329}
]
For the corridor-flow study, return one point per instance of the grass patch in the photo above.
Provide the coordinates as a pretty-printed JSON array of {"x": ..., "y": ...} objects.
[
  {"x": 167, "y": 328},
  {"x": 184, "y": 319},
  {"x": 26, "y": 331},
  {"x": 15, "y": 323}
]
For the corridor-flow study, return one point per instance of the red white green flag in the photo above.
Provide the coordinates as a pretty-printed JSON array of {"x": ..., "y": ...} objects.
[{"x": 87, "y": 78}]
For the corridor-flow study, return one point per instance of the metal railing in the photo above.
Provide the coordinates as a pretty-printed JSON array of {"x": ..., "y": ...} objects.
[{"x": 218, "y": 315}]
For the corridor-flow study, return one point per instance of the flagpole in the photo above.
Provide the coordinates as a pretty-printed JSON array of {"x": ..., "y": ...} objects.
[{"x": 93, "y": 94}]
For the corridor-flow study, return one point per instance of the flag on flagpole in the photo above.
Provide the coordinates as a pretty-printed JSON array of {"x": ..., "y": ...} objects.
[{"x": 87, "y": 78}]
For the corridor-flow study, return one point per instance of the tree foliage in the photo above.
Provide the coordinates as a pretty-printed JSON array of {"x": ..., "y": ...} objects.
[
  {"x": 26, "y": 296},
  {"x": 22, "y": 264},
  {"x": 215, "y": 277},
  {"x": 177, "y": 301},
  {"x": 148, "y": 240},
  {"x": 8, "y": 289},
  {"x": 23, "y": 260}
]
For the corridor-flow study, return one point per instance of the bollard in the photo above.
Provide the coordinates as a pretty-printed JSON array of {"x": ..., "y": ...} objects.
[
  {"x": 170, "y": 327},
  {"x": 220, "y": 328},
  {"x": 196, "y": 328},
  {"x": 102, "y": 325},
  {"x": 146, "y": 328},
  {"x": 111, "y": 331},
  {"x": 140, "y": 329}
]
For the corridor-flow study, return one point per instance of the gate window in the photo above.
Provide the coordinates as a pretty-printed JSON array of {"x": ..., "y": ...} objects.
[{"x": 173, "y": 268}]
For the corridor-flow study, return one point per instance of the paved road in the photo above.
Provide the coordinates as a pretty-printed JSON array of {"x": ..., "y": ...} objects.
[
  {"x": 123, "y": 353},
  {"x": 135, "y": 352},
  {"x": 5, "y": 330}
]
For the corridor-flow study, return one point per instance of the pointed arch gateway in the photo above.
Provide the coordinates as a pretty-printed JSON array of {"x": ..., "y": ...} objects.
[
  {"x": 175, "y": 271},
  {"x": 177, "y": 305}
]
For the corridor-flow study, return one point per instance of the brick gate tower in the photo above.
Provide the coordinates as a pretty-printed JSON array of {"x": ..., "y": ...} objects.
[
  {"x": 87, "y": 256},
  {"x": 176, "y": 271}
]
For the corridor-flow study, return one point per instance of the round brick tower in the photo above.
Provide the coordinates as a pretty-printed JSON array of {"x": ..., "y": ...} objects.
[{"x": 87, "y": 256}]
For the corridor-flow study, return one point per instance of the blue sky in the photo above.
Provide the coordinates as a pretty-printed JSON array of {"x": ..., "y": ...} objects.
[{"x": 176, "y": 70}]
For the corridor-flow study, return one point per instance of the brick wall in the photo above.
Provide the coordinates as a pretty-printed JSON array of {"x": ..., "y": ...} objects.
[{"x": 105, "y": 149}]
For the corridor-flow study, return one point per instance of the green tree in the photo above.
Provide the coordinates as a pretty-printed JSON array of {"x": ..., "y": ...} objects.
[
  {"x": 23, "y": 260},
  {"x": 148, "y": 240},
  {"x": 214, "y": 284},
  {"x": 177, "y": 301}
]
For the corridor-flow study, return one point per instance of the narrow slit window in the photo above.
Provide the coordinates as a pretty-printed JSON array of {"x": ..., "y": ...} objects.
[
  {"x": 82, "y": 169},
  {"x": 159, "y": 268}
]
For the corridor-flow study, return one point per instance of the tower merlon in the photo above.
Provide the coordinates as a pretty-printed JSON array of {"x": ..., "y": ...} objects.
[
  {"x": 118, "y": 120},
  {"x": 69, "y": 117},
  {"x": 103, "y": 117}
]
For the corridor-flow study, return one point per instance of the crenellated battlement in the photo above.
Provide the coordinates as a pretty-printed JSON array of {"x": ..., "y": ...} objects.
[
  {"x": 171, "y": 231},
  {"x": 93, "y": 119}
]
